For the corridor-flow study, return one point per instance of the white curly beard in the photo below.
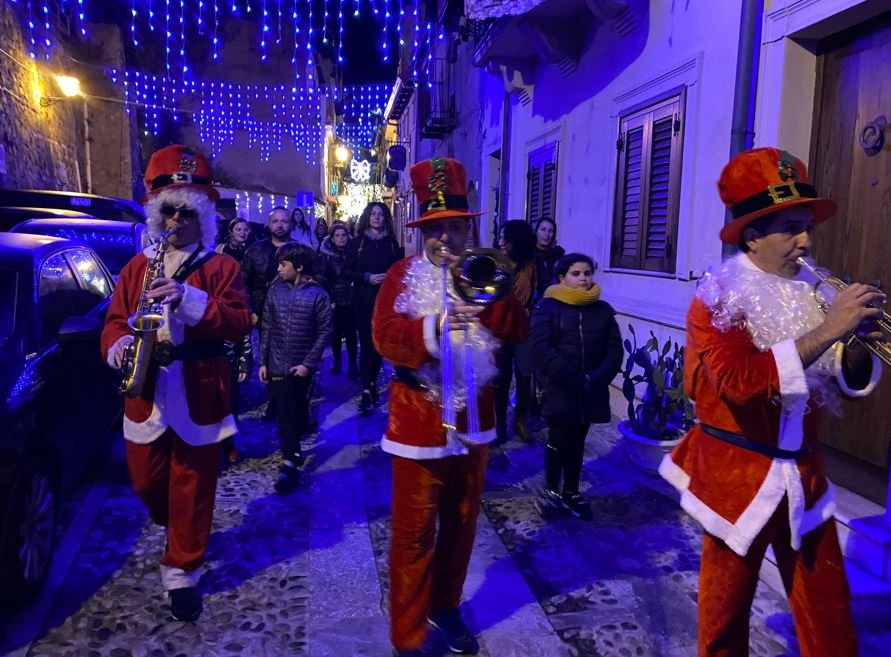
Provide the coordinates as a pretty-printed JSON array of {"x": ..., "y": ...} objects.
[
  {"x": 771, "y": 309},
  {"x": 422, "y": 297},
  {"x": 178, "y": 197}
]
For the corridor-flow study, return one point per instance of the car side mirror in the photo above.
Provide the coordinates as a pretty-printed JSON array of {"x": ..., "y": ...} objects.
[{"x": 79, "y": 329}]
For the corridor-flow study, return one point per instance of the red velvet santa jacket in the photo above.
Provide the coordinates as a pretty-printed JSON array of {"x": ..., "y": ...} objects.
[
  {"x": 733, "y": 491},
  {"x": 214, "y": 307},
  {"x": 415, "y": 421}
]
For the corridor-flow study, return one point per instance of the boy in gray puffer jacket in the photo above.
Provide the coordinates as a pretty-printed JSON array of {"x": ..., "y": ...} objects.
[{"x": 295, "y": 329}]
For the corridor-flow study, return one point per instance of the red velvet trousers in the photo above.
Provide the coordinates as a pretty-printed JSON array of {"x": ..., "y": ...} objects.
[
  {"x": 427, "y": 570},
  {"x": 814, "y": 579},
  {"x": 177, "y": 483}
]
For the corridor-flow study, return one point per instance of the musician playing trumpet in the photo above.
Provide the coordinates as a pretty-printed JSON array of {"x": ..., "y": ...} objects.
[
  {"x": 438, "y": 469},
  {"x": 762, "y": 362},
  {"x": 174, "y": 425}
]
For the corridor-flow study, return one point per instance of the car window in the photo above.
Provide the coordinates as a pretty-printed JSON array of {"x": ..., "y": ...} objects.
[
  {"x": 58, "y": 292},
  {"x": 8, "y": 285},
  {"x": 91, "y": 273}
]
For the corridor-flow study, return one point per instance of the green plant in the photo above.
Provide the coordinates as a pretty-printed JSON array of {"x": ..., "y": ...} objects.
[{"x": 664, "y": 411}]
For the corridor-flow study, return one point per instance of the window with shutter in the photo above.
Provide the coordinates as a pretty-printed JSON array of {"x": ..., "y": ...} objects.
[
  {"x": 648, "y": 187},
  {"x": 541, "y": 174}
]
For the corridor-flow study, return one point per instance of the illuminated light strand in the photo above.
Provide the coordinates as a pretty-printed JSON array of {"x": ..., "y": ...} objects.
[
  {"x": 47, "y": 41},
  {"x": 340, "y": 34},
  {"x": 279, "y": 25},
  {"x": 264, "y": 28},
  {"x": 182, "y": 37},
  {"x": 385, "y": 46},
  {"x": 151, "y": 16},
  {"x": 216, "y": 26},
  {"x": 429, "y": 55},
  {"x": 325, "y": 24},
  {"x": 167, "y": 35},
  {"x": 133, "y": 23}
]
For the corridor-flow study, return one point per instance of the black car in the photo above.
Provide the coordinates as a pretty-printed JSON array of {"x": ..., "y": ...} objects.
[
  {"x": 10, "y": 216},
  {"x": 103, "y": 207},
  {"x": 116, "y": 242},
  {"x": 58, "y": 401}
]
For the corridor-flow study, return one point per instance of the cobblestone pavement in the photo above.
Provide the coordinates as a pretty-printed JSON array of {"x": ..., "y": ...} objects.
[{"x": 307, "y": 574}]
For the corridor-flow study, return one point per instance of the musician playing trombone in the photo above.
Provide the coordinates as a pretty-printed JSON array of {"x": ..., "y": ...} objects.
[
  {"x": 438, "y": 467},
  {"x": 175, "y": 423},
  {"x": 762, "y": 362}
]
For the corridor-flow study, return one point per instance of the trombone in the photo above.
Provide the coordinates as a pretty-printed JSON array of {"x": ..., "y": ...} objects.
[
  {"x": 480, "y": 277},
  {"x": 881, "y": 348}
]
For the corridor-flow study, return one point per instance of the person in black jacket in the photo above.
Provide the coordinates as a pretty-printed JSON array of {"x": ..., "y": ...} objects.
[
  {"x": 333, "y": 251},
  {"x": 517, "y": 241},
  {"x": 577, "y": 350},
  {"x": 295, "y": 330},
  {"x": 546, "y": 245},
  {"x": 259, "y": 265},
  {"x": 369, "y": 256}
]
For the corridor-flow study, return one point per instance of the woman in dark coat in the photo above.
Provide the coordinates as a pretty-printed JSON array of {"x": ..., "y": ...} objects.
[
  {"x": 334, "y": 253},
  {"x": 517, "y": 241},
  {"x": 371, "y": 253},
  {"x": 546, "y": 245},
  {"x": 577, "y": 351},
  {"x": 237, "y": 239}
]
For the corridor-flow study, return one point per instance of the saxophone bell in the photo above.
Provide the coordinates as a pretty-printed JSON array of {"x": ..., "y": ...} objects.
[{"x": 145, "y": 324}]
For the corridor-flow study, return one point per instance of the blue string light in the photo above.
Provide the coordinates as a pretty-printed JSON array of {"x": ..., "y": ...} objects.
[
  {"x": 264, "y": 28},
  {"x": 216, "y": 27},
  {"x": 47, "y": 42},
  {"x": 133, "y": 23}
]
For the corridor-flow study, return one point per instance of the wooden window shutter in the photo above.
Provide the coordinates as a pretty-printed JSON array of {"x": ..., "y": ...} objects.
[
  {"x": 542, "y": 183},
  {"x": 648, "y": 188}
]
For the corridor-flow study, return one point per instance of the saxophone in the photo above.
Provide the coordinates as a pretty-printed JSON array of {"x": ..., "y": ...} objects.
[{"x": 145, "y": 322}]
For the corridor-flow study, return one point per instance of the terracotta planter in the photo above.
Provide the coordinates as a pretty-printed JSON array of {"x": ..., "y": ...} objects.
[{"x": 646, "y": 453}]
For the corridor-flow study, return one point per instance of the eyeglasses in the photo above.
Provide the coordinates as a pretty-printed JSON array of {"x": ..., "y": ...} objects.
[{"x": 185, "y": 212}]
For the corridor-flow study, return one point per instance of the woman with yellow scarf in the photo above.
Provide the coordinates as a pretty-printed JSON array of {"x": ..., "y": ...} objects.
[{"x": 578, "y": 350}]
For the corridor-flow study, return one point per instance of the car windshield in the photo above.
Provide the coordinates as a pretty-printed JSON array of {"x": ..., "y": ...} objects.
[
  {"x": 8, "y": 280},
  {"x": 114, "y": 247}
]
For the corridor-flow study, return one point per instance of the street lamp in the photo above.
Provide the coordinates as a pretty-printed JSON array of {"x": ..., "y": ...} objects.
[
  {"x": 342, "y": 153},
  {"x": 70, "y": 87}
]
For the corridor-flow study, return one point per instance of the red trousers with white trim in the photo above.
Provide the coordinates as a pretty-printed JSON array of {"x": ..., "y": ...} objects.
[
  {"x": 427, "y": 570},
  {"x": 177, "y": 483},
  {"x": 814, "y": 579}
]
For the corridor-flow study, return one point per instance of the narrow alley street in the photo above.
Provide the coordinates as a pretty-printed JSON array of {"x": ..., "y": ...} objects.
[{"x": 307, "y": 574}]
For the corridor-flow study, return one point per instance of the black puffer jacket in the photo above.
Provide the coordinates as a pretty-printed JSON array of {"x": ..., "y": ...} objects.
[
  {"x": 366, "y": 255},
  {"x": 296, "y": 326},
  {"x": 259, "y": 267},
  {"x": 338, "y": 286},
  {"x": 577, "y": 351}
]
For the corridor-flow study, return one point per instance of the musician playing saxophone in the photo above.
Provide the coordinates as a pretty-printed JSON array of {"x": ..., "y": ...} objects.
[
  {"x": 762, "y": 361},
  {"x": 174, "y": 426}
]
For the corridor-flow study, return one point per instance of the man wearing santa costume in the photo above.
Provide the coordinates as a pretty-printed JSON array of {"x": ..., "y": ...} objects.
[
  {"x": 438, "y": 473},
  {"x": 762, "y": 361},
  {"x": 173, "y": 429}
]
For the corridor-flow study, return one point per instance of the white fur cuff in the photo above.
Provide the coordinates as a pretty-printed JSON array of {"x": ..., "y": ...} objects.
[
  {"x": 793, "y": 383},
  {"x": 838, "y": 352},
  {"x": 177, "y": 578},
  {"x": 191, "y": 309},
  {"x": 431, "y": 341}
]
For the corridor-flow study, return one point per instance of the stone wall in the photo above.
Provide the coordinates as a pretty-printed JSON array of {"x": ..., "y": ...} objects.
[{"x": 44, "y": 147}]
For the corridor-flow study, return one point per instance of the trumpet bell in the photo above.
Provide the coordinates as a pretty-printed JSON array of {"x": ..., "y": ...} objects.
[{"x": 482, "y": 276}]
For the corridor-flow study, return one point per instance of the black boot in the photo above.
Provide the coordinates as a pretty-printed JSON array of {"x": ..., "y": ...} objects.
[{"x": 185, "y": 604}]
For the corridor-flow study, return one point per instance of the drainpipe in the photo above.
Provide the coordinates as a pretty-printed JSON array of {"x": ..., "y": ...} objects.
[
  {"x": 504, "y": 176},
  {"x": 87, "y": 152},
  {"x": 742, "y": 130}
]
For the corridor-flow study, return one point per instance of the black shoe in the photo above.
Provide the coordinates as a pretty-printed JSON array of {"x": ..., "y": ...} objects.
[
  {"x": 185, "y": 604},
  {"x": 550, "y": 504},
  {"x": 578, "y": 505},
  {"x": 457, "y": 637},
  {"x": 335, "y": 369},
  {"x": 288, "y": 481},
  {"x": 366, "y": 403},
  {"x": 408, "y": 653}
]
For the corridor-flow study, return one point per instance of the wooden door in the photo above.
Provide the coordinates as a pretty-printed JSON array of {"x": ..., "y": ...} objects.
[{"x": 853, "y": 89}]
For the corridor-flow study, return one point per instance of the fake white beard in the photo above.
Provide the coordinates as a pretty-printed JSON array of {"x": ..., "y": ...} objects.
[
  {"x": 178, "y": 197},
  {"x": 771, "y": 309},
  {"x": 423, "y": 297}
]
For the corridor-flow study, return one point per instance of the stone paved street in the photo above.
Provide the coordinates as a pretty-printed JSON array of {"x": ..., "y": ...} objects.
[{"x": 306, "y": 574}]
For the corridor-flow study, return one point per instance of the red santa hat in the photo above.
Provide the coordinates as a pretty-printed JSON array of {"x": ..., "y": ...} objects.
[{"x": 761, "y": 181}]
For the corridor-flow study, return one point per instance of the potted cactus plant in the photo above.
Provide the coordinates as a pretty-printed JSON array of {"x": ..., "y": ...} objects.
[{"x": 659, "y": 417}]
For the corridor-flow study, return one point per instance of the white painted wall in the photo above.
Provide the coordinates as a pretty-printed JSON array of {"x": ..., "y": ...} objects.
[{"x": 676, "y": 43}]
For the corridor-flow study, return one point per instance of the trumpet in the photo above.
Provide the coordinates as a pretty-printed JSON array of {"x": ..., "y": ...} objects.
[
  {"x": 481, "y": 277},
  {"x": 825, "y": 279}
]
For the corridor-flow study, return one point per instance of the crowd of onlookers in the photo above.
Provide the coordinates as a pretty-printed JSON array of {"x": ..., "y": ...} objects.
[{"x": 311, "y": 287}]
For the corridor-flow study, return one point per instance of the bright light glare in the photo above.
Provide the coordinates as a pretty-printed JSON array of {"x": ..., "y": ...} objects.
[
  {"x": 342, "y": 153},
  {"x": 70, "y": 86}
]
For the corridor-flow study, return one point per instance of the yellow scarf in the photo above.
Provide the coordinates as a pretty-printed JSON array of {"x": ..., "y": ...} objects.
[{"x": 572, "y": 296}]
